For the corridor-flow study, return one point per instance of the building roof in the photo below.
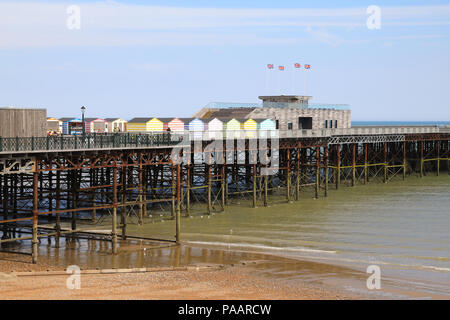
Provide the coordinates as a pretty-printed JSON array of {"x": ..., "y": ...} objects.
[
  {"x": 113, "y": 119},
  {"x": 230, "y": 113},
  {"x": 140, "y": 120},
  {"x": 66, "y": 119}
]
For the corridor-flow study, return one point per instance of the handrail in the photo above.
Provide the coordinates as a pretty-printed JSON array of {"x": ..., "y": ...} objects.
[{"x": 167, "y": 139}]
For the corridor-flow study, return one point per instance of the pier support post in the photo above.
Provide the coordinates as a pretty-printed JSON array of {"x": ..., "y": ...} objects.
[
  {"x": 266, "y": 178},
  {"x": 353, "y": 164},
  {"x": 385, "y": 162},
  {"x": 208, "y": 179},
  {"x": 438, "y": 154},
  {"x": 178, "y": 209},
  {"x": 58, "y": 207},
  {"x": 140, "y": 192},
  {"x": 326, "y": 170},
  {"x": 297, "y": 175},
  {"x": 254, "y": 186},
  {"x": 338, "y": 166},
  {"x": 421, "y": 158},
  {"x": 365, "y": 163},
  {"x": 223, "y": 186},
  {"x": 404, "y": 160},
  {"x": 34, "y": 253},
  {"x": 288, "y": 175},
  {"x": 188, "y": 189},
  {"x": 173, "y": 191},
  {"x": 123, "y": 211},
  {"x": 114, "y": 215},
  {"x": 316, "y": 195}
]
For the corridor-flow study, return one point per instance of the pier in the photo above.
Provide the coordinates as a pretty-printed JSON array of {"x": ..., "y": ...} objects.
[{"x": 49, "y": 183}]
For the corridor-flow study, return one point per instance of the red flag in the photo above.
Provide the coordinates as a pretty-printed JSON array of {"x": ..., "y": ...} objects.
[
  {"x": 270, "y": 66},
  {"x": 307, "y": 66},
  {"x": 297, "y": 65},
  {"x": 281, "y": 68}
]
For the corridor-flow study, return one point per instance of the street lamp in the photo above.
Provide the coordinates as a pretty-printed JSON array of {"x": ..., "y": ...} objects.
[{"x": 82, "y": 119}]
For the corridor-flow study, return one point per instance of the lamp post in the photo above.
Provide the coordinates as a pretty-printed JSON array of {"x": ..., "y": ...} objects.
[{"x": 83, "y": 108}]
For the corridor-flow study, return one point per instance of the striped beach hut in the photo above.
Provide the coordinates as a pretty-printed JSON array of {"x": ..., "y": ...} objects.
[
  {"x": 54, "y": 126},
  {"x": 196, "y": 126},
  {"x": 74, "y": 126},
  {"x": 155, "y": 125},
  {"x": 138, "y": 124},
  {"x": 65, "y": 125},
  {"x": 88, "y": 122},
  {"x": 214, "y": 127},
  {"x": 266, "y": 128},
  {"x": 232, "y": 128},
  {"x": 97, "y": 126},
  {"x": 178, "y": 124},
  {"x": 250, "y": 126},
  {"x": 116, "y": 125}
]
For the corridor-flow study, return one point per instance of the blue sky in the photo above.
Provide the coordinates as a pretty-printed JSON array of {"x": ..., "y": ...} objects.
[{"x": 170, "y": 58}]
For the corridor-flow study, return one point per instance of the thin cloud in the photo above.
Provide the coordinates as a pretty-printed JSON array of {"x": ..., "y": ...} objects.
[{"x": 116, "y": 24}]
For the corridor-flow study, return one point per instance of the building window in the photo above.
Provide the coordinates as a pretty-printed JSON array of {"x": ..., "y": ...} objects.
[
  {"x": 335, "y": 123},
  {"x": 326, "y": 124},
  {"x": 277, "y": 124},
  {"x": 290, "y": 126},
  {"x": 331, "y": 124}
]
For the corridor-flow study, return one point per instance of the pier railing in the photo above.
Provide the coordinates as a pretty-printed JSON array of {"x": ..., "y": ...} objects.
[
  {"x": 89, "y": 141},
  {"x": 168, "y": 139}
]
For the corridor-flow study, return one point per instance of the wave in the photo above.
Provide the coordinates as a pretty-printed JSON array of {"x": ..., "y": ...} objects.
[{"x": 260, "y": 247}]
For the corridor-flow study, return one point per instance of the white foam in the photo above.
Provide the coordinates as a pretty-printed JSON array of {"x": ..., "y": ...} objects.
[{"x": 260, "y": 247}]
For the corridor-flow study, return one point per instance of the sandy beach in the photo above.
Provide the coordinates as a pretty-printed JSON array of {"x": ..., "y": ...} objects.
[{"x": 233, "y": 281}]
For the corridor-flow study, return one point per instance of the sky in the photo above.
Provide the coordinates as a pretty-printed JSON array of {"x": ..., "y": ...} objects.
[{"x": 171, "y": 58}]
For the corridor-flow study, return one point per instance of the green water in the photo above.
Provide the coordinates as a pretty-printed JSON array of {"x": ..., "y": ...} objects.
[{"x": 402, "y": 226}]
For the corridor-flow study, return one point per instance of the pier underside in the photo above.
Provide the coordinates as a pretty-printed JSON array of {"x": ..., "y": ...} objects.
[{"x": 71, "y": 194}]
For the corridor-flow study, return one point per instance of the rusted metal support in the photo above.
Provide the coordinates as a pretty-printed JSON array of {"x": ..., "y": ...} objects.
[
  {"x": 288, "y": 175},
  {"x": 338, "y": 166},
  {"x": 140, "y": 192},
  {"x": 266, "y": 182},
  {"x": 223, "y": 187},
  {"x": 386, "y": 162},
  {"x": 438, "y": 154},
  {"x": 404, "y": 160},
  {"x": 421, "y": 158},
  {"x": 123, "y": 209},
  {"x": 173, "y": 191},
  {"x": 254, "y": 186},
  {"x": 326, "y": 171},
  {"x": 58, "y": 207},
  {"x": 317, "y": 186},
  {"x": 353, "y": 164},
  {"x": 188, "y": 190},
  {"x": 365, "y": 164},
  {"x": 297, "y": 175},
  {"x": 34, "y": 241},
  {"x": 208, "y": 185},
  {"x": 114, "y": 215},
  {"x": 178, "y": 209}
]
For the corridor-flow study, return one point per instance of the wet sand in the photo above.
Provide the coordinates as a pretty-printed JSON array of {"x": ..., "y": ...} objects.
[{"x": 239, "y": 280}]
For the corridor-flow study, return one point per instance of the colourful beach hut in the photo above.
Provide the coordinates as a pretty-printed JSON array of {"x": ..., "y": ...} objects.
[
  {"x": 116, "y": 125},
  {"x": 54, "y": 126},
  {"x": 137, "y": 124},
  {"x": 97, "y": 126},
  {"x": 74, "y": 126},
  {"x": 178, "y": 124},
  {"x": 214, "y": 128},
  {"x": 232, "y": 128},
  {"x": 250, "y": 126},
  {"x": 65, "y": 125},
  {"x": 196, "y": 126},
  {"x": 266, "y": 128},
  {"x": 155, "y": 125}
]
